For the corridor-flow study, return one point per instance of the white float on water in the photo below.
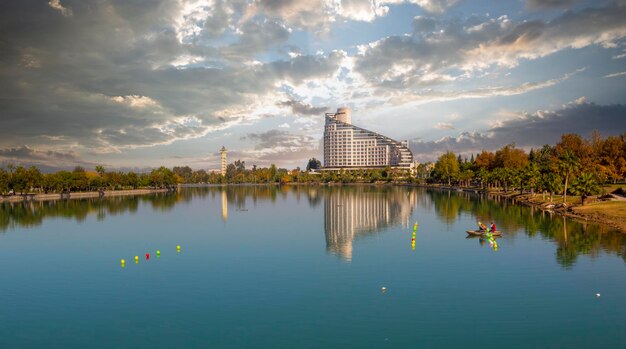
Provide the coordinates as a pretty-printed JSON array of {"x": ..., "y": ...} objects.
[{"x": 597, "y": 295}]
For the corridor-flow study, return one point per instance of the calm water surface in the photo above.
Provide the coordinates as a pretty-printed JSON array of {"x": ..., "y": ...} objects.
[{"x": 303, "y": 267}]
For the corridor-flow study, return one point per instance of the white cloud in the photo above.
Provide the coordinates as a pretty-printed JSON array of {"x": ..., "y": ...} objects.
[
  {"x": 136, "y": 101},
  {"x": 441, "y": 51},
  {"x": 444, "y": 126},
  {"x": 56, "y": 4},
  {"x": 615, "y": 74}
]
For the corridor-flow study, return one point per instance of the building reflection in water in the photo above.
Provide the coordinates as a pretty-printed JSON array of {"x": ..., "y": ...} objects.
[
  {"x": 224, "y": 205},
  {"x": 360, "y": 211}
]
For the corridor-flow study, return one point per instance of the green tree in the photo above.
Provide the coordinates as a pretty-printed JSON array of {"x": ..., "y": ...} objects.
[
  {"x": 4, "y": 181},
  {"x": 551, "y": 182},
  {"x": 100, "y": 170},
  {"x": 531, "y": 177},
  {"x": 447, "y": 166},
  {"x": 273, "y": 174},
  {"x": 313, "y": 164},
  {"x": 585, "y": 185},
  {"x": 34, "y": 177},
  {"x": 184, "y": 173}
]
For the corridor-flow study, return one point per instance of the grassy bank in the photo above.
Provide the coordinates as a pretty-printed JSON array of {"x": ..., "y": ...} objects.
[
  {"x": 602, "y": 209},
  {"x": 78, "y": 195}
]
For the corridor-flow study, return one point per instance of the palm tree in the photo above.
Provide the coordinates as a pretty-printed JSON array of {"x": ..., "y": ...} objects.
[
  {"x": 100, "y": 170},
  {"x": 551, "y": 182},
  {"x": 568, "y": 163},
  {"x": 585, "y": 185}
]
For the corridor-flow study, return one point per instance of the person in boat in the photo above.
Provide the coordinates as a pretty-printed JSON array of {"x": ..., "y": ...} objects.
[
  {"x": 481, "y": 227},
  {"x": 493, "y": 227}
]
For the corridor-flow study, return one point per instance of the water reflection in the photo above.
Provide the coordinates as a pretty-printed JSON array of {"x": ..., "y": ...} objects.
[
  {"x": 571, "y": 237},
  {"x": 349, "y": 213},
  {"x": 358, "y": 211}
]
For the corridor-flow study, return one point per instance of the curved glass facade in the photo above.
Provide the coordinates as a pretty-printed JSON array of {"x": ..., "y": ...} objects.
[{"x": 351, "y": 147}]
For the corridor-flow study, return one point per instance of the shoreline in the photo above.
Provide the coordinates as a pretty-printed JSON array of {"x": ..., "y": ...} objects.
[
  {"x": 79, "y": 195},
  {"x": 572, "y": 211}
]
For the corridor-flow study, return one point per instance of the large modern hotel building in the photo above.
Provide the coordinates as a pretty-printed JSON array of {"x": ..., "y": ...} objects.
[{"x": 350, "y": 147}]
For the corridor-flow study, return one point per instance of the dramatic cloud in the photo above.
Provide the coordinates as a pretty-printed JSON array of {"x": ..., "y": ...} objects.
[
  {"x": 122, "y": 79},
  {"x": 530, "y": 130},
  {"x": 300, "y": 108},
  {"x": 430, "y": 96},
  {"x": 440, "y": 52},
  {"x": 109, "y": 92}
]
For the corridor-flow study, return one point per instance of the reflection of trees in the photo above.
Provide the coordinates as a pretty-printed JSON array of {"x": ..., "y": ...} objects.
[
  {"x": 572, "y": 238},
  {"x": 30, "y": 214},
  {"x": 374, "y": 209}
]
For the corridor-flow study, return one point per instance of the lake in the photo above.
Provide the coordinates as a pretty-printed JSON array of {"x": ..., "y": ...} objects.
[{"x": 304, "y": 267}]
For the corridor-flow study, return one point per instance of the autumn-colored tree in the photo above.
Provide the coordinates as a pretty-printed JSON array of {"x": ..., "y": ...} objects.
[
  {"x": 486, "y": 160},
  {"x": 609, "y": 156},
  {"x": 512, "y": 161},
  {"x": 511, "y": 158},
  {"x": 578, "y": 146}
]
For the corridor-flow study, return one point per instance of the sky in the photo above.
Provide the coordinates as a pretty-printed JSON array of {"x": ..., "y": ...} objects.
[{"x": 137, "y": 84}]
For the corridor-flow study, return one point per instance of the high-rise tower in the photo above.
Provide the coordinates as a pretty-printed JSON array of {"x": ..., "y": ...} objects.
[
  {"x": 350, "y": 147},
  {"x": 223, "y": 151}
]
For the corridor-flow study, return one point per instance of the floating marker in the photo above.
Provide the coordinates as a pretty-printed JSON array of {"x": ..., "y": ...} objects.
[
  {"x": 136, "y": 259},
  {"x": 383, "y": 289},
  {"x": 147, "y": 256},
  {"x": 123, "y": 261},
  {"x": 158, "y": 253},
  {"x": 597, "y": 295},
  {"x": 178, "y": 248}
]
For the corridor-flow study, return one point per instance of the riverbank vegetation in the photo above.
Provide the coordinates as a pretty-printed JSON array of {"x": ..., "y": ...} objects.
[{"x": 574, "y": 166}]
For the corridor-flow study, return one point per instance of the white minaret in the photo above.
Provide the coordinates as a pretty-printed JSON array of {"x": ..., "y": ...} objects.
[{"x": 223, "y": 151}]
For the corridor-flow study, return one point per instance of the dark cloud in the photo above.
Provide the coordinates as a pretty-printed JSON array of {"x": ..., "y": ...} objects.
[
  {"x": 257, "y": 36},
  {"x": 300, "y": 108},
  {"x": 543, "y": 4},
  {"x": 106, "y": 77},
  {"x": 48, "y": 160},
  {"x": 280, "y": 139},
  {"x": 531, "y": 130}
]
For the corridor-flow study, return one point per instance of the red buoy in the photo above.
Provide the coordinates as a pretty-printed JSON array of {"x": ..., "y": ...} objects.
[{"x": 147, "y": 256}]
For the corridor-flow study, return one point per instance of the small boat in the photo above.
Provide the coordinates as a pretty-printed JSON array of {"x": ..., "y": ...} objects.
[{"x": 483, "y": 233}]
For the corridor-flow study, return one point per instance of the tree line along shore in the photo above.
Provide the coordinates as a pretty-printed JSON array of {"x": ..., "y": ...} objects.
[{"x": 574, "y": 170}]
